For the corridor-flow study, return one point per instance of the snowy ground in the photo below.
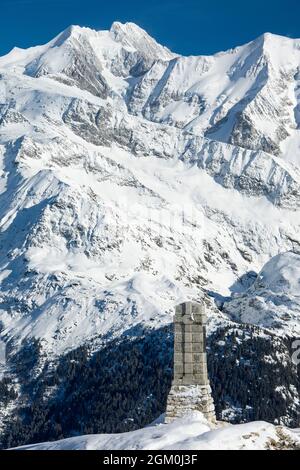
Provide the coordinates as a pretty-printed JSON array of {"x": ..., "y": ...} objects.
[{"x": 189, "y": 433}]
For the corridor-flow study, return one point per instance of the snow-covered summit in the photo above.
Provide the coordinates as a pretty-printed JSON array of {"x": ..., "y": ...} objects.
[
  {"x": 272, "y": 301},
  {"x": 281, "y": 274},
  {"x": 131, "y": 35},
  {"x": 247, "y": 96}
]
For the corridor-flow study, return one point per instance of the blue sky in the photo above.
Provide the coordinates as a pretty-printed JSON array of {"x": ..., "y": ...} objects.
[{"x": 185, "y": 26}]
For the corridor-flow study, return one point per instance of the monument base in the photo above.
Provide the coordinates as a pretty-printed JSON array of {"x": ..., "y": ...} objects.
[{"x": 184, "y": 399}]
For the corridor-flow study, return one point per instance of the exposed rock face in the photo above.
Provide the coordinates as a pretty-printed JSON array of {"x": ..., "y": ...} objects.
[
  {"x": 190, "y": 389},
  {"x": 70, "y": 59}
]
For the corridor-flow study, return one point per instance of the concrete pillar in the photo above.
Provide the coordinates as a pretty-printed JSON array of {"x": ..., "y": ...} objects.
[{"x": 190, "y": 389}]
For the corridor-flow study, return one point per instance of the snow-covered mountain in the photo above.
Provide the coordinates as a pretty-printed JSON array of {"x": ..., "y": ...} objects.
[
  {"x": 273, "y": 299},
  {"x": 132, "y": 178}
]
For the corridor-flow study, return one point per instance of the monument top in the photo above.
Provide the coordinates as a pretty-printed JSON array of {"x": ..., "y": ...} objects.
[{"x": 190, "y": 311}]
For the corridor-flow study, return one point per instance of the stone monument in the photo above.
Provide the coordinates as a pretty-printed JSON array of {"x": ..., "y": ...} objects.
[{"x": 190, "y": 389}]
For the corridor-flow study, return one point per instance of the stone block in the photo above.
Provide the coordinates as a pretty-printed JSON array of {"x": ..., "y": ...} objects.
[
  {"x": 188, "y": 357},
  {"x": 188, "y": 337},
  {"x": 178, "y": 368},
  {"x": 178, "y": 328},
  {"x": 188, "y": 347},
  {"x": 200, "y": 369},
  {"x": 199, "y": 358},
  {"x": 200, "y": 379},
  {"x": 197, "y": 329},
  {"x": 189, "y": 328},
  {"x": 178, "y": 357},
  {"x": 178, "y": 347},
  {"x": 196, "y": 337},
  {"x": 178, "y": 337},
  {"x": 202, "y": 356},
  {"x": 178, "y": 377},
  {"x": 188, "y": 379},
  {"x": 198, "y": 347},
  {"x": 188, "y": 368}
]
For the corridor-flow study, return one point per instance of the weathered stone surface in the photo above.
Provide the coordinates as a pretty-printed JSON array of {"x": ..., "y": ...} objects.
[{"x": 190, "y": 389}]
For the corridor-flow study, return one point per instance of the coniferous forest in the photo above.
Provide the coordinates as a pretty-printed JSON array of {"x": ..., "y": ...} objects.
[{"x": 124, "y": 385}]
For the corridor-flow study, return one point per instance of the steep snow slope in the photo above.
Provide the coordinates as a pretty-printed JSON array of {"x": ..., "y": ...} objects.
[
  {"x": 132, "y": 178},
  {"x": 192, "y": 432},
  {"x": 86, "y": 227},
  {"x": 245, "y": 96}
]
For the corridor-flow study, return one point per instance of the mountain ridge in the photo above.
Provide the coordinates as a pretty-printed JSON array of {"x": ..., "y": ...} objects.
[{"x": 101, "y": 117}]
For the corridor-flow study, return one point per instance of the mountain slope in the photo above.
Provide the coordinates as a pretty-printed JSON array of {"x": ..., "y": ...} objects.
[{"x": 272, "y": 300}]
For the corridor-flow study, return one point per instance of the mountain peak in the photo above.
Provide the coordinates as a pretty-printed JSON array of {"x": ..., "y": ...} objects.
[
  {"x": 268, "y": 37},
  {"x": 131, "y": 35},
  {"x": 126, "y": 28},
  {"x": 273, "y": 41},
  {"x": 71, "y": 31}
]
